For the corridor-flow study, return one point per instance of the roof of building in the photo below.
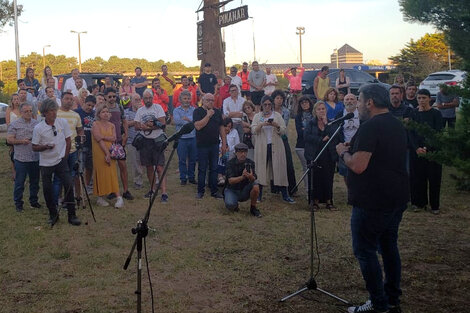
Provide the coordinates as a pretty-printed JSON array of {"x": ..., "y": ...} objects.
[{"x": 347, "y": 49}]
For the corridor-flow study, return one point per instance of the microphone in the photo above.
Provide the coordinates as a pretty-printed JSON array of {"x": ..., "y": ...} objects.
[
  {"x": 345, "y": 117},
  {"x": 186, "y": 129}
]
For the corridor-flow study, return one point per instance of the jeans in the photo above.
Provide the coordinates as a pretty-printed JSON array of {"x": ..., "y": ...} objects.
[
  {"x": 232, "y": 197},
  {"x": 57, "y": 184},
  {"x": 374, "y": 231},
  {"x": 187, "y": 152},
  {"x": 136, "y": 167},
  {"x": 62, "y": 171},
  {"x": 24, "y": 169},
  {"x": 208, "y": 158}
]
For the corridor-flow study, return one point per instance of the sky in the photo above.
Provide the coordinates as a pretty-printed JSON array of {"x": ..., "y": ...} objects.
[{"x": 161, "y": 29}]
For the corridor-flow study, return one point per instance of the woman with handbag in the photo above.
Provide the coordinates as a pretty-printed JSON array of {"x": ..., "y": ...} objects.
[{"x": 105, "y": 180}]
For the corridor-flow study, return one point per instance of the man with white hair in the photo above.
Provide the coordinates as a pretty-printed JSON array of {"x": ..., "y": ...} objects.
[{"x": 70, "y": 83}]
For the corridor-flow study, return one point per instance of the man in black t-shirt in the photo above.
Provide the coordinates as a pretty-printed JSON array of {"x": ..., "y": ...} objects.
[
  {"x": 379, "y": 192},
  {"x": 209, "y": 125},
  {"x": 241, "y": 179},
  {"x": 207, "y": 80}
]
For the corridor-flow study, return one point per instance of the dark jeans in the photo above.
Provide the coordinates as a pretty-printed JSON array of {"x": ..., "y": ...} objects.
[
  {"x": 187, "y": 152},
  {"x": 233, "y": 196},
  {"x": 374, "y": 231},
  {"x": 449, "y": 121},
  {"x": 62, "y": 171},
  {"x": 24, "y": 169},
  {"x": 208, "y": 158},
  {"x": 425, "y": 172},
  {"x": 57, "y": 184},
  {"x": 256, "y": 97}
]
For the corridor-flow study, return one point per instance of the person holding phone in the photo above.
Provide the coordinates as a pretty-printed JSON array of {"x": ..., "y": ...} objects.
[{"x": 241, "y": 181}]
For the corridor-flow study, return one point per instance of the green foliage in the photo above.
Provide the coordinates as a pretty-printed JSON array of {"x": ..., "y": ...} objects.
[
  {"x": 451, "y": 17},
  {"x": 426, "y": 55},
  {"x": 7, "y": 13}
]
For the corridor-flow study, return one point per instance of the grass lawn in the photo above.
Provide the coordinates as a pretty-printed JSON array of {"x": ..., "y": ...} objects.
[{"x": 204, "y": 259}]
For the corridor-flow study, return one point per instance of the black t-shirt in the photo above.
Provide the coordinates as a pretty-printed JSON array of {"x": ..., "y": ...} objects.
[
  {"x": 87, "y": 123},
  {"x": 412, "y": 103},
  {"x": 209, "y": 134},
  {"x": 433, "y": 118},
  {"x": 234, "y": 168},
  {"x": 384, "y": 185},
  {"x": 208, "y": 82}
]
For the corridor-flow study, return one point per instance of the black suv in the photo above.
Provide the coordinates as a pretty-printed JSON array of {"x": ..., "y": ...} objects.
[
  {"x": 90, "y": 79},
  {"x": 357, "y": 79}
]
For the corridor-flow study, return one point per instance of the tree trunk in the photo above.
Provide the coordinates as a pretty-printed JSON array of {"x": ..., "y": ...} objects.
[{"x": 213, "y": 52}]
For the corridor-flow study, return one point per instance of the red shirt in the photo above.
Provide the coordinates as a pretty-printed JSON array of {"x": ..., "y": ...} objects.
[
  {"x": 224, "y": 93},
  {"x": 176, "y": 97},
  {"x": 162, "y": 99},
  {"x": 244, "y": 77}
]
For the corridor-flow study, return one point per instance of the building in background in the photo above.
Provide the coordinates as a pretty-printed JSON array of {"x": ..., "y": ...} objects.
[{"x": 347, "y": 57}]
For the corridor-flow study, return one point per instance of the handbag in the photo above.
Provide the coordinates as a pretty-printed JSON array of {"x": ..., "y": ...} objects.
[
  {"x": 138, "y": 141},
  {"x": 117, "y": 152},
  {"x": 160, "y": 143}
]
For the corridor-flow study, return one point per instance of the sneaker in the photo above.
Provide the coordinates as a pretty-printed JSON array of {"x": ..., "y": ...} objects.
[
  {"x": 288, "y": 200},
  {"x": 148, "y": 195},
  {"x": 183, "y": 182},
  {"x": 73, "y": 220},
  {"x": 36, "y": 205},
  {"x": 217, "y": 195},
  {"x": 365, "y": 308},
  {"x": 127, "y": 195},
  {"x": 435, "y": 211},
  {"x": 394, "y": 308},
  {"x": 255, "y": 212},
  {"x": 101, "y": 201},
  {"x": 119, "y": 203},
  {"x": 193, "y": 181},
  {"x": 199, "y": 196},
  {"x": 164, "y": 198},
  {"x": 111, "y": 196},
  {"x": 418, "y": 209}
]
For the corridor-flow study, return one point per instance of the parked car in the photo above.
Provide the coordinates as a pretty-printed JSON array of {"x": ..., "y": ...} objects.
[
  {"x": 451, "y": 78},
  {"x": 90, "y": 79},
  {"x": 357, "y": 79},
  {"x": 3, "y": 110}
]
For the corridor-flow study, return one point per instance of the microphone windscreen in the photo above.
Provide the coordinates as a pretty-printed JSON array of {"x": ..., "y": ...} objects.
[
  {"x": 349, "y": 116},
  {"x": 187, "y": 128}
]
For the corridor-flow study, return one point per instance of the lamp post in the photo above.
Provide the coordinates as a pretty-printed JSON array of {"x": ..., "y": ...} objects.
[
  {"x": 337, "y": 57},
  {"x": 17, "y": 45},
  {"x": 79, "y": 51},
  {"x": 253, "y": 31},
  {"x": 44, "y": 55},
  {"x": 300, "y": 31}
]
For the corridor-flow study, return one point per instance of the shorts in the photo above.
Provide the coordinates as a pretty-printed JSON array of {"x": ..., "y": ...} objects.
[
  {"x": 149, "y": 154},
  {"x": 246, "y": 93}
]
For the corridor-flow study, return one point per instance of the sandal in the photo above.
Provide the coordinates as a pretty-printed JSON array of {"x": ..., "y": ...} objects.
[
  {"x": 331, "y": 207},
  {"x": 315, "y": 207}
]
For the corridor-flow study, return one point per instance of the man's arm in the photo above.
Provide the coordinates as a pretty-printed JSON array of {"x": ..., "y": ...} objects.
[
  {"x": 315, "y": 87},
  {"x": 223, "y": 136},
  {"x": 68, "y": 145},
  {"x": 357, "y": 162}
]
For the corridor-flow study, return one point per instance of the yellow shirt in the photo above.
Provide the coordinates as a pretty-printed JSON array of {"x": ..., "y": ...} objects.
[
  {"x": 74, "y": 121},
  {"x": 323, "y": 85},
  {"x": 166, "y": 85}
]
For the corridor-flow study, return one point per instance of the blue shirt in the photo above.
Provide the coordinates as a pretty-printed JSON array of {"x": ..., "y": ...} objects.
[
  {"x": 331, "y": 113},
  {"x": 178, "y": 115},
  {"x": 138, "y": 80},
  {"x": 131, "y": 132}
]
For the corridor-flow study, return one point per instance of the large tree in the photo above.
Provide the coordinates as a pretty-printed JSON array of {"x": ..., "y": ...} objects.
[
  {"x": 426, "y": 55},
  {"x": 7, "y": 12},
  {"x": 451, "y": 17}
]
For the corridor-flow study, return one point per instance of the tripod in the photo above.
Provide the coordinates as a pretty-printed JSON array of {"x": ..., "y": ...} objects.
[
  {"x": 79, "y": 167},
  {"x": 141, "y": 230},
  {"x": 311, "y": 284}
]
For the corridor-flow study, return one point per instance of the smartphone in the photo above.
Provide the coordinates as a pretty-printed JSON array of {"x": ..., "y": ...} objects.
[
  {"x": 248, "y": 167},
  {"x": 270, "y": 120}
]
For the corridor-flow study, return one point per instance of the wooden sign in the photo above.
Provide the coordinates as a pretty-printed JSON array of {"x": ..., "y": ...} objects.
[{"x": 233, "y": 16}]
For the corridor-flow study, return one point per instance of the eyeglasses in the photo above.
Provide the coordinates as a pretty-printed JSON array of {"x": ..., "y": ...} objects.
[
  {"x": 54, "y": 131},
  {"x": 111, "y": 96}
]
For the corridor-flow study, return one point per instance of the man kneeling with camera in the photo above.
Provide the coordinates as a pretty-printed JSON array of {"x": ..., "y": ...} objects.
[{"x": 241, "y": 178}]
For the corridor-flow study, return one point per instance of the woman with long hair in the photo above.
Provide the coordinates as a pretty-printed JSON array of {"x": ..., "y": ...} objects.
[
  {"x": 47, "y": 73},
  {"x": 316, "y": 135},
  {"x": 31, "y": 82},
  {"x": 333, "y": 106},
  {"x": 126, "y": 91},
  {"x": 105, "y": 180},
  {"x": 303, "y": 117},
  {"x": 342, "y": 82}
]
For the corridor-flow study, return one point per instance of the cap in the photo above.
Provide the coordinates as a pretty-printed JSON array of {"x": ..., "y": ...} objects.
[
  {"x": 207, "y": 65},
  {"x": 241, "y": 147}
]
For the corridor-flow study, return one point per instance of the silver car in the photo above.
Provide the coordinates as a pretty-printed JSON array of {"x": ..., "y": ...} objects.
[
  {"x": 3, "y": 110},
  {"x": 451, "y": 78}
]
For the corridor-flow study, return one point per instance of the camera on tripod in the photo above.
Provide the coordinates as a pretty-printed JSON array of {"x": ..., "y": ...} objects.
[{"x": 79, "y": 142}]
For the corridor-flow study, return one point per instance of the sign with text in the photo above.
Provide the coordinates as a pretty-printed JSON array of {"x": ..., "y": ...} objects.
[
  {"x": 200, "y": 32},
  {"x": 233, "y": 16}
]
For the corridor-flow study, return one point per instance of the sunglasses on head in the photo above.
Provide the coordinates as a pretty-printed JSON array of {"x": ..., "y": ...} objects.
[{"x": 54, "y": 131}]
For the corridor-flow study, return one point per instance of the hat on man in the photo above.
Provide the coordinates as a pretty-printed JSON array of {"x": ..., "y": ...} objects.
[{"x": 241, "y": 147}]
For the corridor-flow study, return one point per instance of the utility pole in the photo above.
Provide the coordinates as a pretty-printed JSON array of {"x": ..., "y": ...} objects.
[
  {"x": 253, "y": 31},
  {"x": 44, "y": 55},
  {"x": 300, "y": 31},
  {"x": 17, "y": 45},
  {"x": 79, "y": 50},
  {"x": 450, "y": 62},
  {"x": 213, "y": 52}
]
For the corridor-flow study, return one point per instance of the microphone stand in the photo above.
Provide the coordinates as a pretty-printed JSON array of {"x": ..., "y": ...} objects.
[
  {"x": 311, "y": 284},
  {"x": 141, "y": 230}
]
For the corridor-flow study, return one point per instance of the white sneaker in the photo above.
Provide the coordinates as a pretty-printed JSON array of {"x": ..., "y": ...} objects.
[
  {"x": 119, "y": 203},
  {"x": 102, "y": 202},
  {"x": 365, "y": 308}
]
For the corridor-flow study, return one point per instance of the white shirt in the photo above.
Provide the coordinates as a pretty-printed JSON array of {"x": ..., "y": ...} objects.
[
  {"x": 145, "y": 114},
  {"x": 70, "y": 84},
  {"x": 351, "y": 126},
  {"x": 43, "y": 134},
  {"x": 271, "y": 78},
  {"x": 229, "y": 105},
  {"x": 236, "y": 80}
]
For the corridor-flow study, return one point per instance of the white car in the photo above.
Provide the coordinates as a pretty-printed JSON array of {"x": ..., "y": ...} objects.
[
  {"x": 451, "y": 78},
  {"x": 3, "y": 110}
]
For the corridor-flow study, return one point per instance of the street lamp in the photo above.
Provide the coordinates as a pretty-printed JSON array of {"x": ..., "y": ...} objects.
[
  {"x": 44, "y": 55},
  {"x": 300, "y": 31},
  {"x": 253, "y": 31},
  {"x": 79, "y": 51},
  {"x": 17, "y": 44}
]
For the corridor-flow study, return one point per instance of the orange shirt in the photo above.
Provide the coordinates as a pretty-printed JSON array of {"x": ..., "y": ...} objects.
[
  {"x": 176, "y": 97},
  {"x": 162, "y": 99},
  {"x": 244, "y": 77}
]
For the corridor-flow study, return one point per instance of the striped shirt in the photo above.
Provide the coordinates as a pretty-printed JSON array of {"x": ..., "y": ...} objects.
[
  {"x": 23, "y": 130},
  {"x": 74, "y": 121}
]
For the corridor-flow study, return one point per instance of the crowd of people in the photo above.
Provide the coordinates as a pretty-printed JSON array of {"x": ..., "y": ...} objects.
[{"x": 233, "y": 114}]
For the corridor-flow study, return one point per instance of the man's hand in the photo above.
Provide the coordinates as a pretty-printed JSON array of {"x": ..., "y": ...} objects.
[
  {"x": 210, "y": 112},
  {"x": 185, "y": 118},
  {"x": 224, "y": 148},
  {"x": 325, "y": 138},
  {"x": 342, "y": 147}
]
